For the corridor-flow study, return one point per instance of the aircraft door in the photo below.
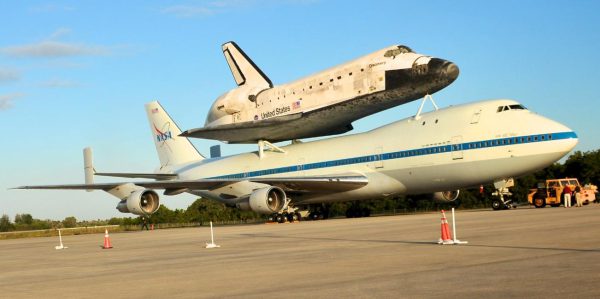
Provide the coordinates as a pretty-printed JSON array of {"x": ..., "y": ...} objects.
[
  {"x": 378, "y": 158},
  {"x": 456, "y": 148},
  {"x": 476, "y": 116},
  {"x": 236, "y": 117},
  {"x": 301, "y": 167}
]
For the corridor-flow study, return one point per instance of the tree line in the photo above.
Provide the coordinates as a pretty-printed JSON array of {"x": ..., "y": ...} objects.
[{"x": 582, "y": 165}]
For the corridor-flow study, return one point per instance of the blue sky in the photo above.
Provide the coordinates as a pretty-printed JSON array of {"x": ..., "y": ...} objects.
[{"x": 76, "y": 74}]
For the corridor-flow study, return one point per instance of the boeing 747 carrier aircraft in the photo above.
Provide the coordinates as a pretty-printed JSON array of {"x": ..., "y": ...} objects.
[
  {"x": 437, "y": 152},
  {"x": 322, "y": 104}
]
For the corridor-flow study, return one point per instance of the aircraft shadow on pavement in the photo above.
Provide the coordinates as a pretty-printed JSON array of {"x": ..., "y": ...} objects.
[{"x": 558, "y": 249}]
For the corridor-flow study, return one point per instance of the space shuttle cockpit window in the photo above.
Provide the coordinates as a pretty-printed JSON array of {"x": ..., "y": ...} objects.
[{"x": 397, "y": 51}]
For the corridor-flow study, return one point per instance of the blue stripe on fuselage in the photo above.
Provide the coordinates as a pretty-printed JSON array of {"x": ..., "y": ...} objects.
[{"x": 407, "y": 154}]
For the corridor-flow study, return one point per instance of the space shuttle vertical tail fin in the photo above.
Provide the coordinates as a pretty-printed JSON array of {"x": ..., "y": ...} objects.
[
  {"x": 244, "y": 71},
  {"x": 172, "y": 149}
]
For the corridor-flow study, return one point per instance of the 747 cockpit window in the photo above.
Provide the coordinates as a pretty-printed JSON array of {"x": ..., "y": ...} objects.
[
  {"x": 511, "y": 107},
  {"x": 397, "y": 51}
]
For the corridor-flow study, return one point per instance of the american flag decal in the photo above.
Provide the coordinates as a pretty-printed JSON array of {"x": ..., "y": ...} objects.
[{"x": 296, "y": 105}]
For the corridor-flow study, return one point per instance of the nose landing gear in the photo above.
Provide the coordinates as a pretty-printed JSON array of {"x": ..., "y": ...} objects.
[{"x": 503, "y": 200}]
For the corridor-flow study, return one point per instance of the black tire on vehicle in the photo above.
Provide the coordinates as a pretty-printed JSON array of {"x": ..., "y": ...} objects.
[
  {"x": 539, "y": 202},
  {"x": 497, "y": 204}
]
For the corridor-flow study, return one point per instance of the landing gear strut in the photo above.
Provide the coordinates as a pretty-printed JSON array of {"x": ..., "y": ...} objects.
[{"x": 503, "y": 199}]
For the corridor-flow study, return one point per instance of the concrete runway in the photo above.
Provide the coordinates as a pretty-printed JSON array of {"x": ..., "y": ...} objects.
[{"x": 534, "y": 253}]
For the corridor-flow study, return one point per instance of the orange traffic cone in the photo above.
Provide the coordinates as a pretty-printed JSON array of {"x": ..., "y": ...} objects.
[
  {"x": 106, "y": 240},
  {"x": 446, "y": 235}
]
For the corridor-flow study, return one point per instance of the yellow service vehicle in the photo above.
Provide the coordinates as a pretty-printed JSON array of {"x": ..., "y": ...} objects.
[{"x": 551, "y": 193}]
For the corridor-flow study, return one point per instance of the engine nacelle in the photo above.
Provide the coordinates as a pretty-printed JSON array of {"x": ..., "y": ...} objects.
[
  {"x": 266, "y": 200},
  {"x": 141, "y": 202},
  {"x": 445, "y": 196}
]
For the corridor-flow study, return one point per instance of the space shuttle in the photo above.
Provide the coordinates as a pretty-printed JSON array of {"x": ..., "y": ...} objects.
[{"x": 325, "y": 103}]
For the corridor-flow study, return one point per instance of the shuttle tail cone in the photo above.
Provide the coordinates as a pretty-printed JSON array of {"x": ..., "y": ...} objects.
[
  {"x": 60, "y": 246},
  {"x": 446, "y": 238},
  {"x": 212, "y": 239},
  {"x": 455, "y": 240},
  {"x": 107, "y": 244}
]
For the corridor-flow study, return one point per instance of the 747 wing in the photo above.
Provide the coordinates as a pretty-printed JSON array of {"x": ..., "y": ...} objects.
[{"x": 317, "y": 184}]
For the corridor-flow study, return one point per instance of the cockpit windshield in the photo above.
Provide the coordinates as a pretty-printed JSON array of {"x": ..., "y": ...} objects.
[
  {"x": 511, "y": 107},
  {"x": 397, "y": 51}
]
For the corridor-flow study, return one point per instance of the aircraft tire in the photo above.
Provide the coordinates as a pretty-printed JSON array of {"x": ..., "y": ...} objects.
[
  {"x": 281, "y": 218},
  {"x": 497, "y": 204},
  {"x": 298, "y": 216},
  {"x": 291, "y": 217}
]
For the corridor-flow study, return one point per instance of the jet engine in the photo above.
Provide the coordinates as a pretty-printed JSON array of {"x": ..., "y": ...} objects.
[
  {"x": 141, "y": 202},
  {"x": 445, "y": 196},
  {"x": 266, "y": 200}
]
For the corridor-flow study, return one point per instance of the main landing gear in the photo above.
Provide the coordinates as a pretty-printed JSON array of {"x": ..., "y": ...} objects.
[
  {"x": 503, "y": 200},
  {"x": 285, "y": 216},
  {"x": 318, "y": 212},
  {"x": 312, "y": 212}
]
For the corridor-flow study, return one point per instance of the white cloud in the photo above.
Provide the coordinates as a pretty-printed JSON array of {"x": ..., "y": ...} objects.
[
  {"x": 6, "y": 101},
  {"x": 9, "y": 75},
  {"x": 60, "y": 32},
  {"x": 59, "y": 83},
  {"x": 53, "y": 49}
]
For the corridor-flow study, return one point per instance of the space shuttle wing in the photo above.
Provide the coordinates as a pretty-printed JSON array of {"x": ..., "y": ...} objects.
[
  {"x": 319, "y": 122},
  {"x": 237, "y": 132},
  {"x": 343, "y": 182}
]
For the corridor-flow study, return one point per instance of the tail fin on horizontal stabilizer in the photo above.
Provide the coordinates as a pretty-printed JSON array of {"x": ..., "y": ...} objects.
[
  {"x": 172, "y": 149},
  {"x": 244, "y": 71}
]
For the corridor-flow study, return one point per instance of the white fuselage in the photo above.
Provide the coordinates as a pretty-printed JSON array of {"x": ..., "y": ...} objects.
[{"x": 455, "y": 147}]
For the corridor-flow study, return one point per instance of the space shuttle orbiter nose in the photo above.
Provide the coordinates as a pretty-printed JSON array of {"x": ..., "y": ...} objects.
[
  {"x": 424, "y": 77},
  {"x": 444, "y": 68}
]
